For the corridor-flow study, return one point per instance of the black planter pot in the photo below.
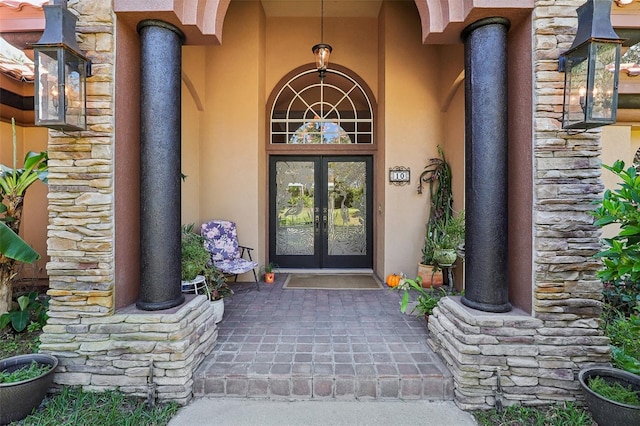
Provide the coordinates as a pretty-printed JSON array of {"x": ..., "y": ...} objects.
[
  {"x": 605, "y": 411},
  {"x": 17, "y": 399}
]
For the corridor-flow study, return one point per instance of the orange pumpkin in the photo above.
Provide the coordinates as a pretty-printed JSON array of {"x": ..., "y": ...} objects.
[{"x": 393, "y": 280}]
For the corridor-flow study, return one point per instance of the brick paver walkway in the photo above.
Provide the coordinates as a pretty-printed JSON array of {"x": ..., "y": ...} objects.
[{"x": 309, "y": 344}]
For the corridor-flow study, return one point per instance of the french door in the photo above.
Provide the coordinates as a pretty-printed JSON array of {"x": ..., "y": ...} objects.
[{"x": 320, "y": 211}]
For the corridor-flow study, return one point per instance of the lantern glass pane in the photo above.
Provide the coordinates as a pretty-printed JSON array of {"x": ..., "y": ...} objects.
[
  {"x": 575, "y": 88},
  {"x": 74, "y": 85},
  {"x": 604, "y": 74},
  {"x": 48, "y": 87}
]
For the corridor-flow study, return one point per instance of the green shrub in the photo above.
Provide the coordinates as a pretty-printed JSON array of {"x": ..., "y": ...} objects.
[
  {"x": 194, "y": 255},
  {"x": 31, "y": 310},
  {"x": 621, "y": 253},
  {"x": 614, "y": 391},
  {"x": 623, "y": 332}
]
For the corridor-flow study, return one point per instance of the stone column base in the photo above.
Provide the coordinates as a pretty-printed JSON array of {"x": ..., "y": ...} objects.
[
  {"x": 117, "y": 351},
  {"x": 538, "y": 362}
]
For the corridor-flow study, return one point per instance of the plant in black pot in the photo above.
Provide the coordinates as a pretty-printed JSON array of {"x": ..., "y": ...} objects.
[
  {"x": 24, "y": 382},
  {"x": 612, "y": 394}
]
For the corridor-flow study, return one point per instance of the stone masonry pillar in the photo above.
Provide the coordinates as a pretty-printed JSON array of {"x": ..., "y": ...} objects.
[
  {"x": 485, "y": 58},
  {"x": 160, "y": 132}
]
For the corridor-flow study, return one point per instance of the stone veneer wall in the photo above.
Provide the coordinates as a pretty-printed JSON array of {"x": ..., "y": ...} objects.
[
  {"x": 539, "y": 355},
  {"x": 98, "y": 348},
  {"x": 118, "y": 351}
]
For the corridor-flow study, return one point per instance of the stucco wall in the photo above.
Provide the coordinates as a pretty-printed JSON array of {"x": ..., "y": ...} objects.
[
  {"x": 127, "y": 161},
  {"x": 413, "y": 129},
  {"x": 230, "y": 178},
  {"x": 224, "y": 144}
]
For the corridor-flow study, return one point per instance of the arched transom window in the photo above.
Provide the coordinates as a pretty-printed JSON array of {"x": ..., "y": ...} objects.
[{"x": 310, "y": 111}]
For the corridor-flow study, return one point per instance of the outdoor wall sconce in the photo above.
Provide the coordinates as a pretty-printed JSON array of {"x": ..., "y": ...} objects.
[
  {"x": 60, "y": 72},
  {"x": 591, "y": 67},
  {"x": 322, "y": 51}
]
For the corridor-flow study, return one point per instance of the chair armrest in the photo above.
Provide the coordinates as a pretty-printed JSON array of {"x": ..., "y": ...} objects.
[{"x": 247, "y": 249}]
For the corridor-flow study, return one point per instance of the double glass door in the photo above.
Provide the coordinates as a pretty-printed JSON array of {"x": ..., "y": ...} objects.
[{"x": 321, "y": 211}]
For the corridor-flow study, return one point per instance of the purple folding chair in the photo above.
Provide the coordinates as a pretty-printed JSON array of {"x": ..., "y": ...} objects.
[{"x": 221, "y": 241}]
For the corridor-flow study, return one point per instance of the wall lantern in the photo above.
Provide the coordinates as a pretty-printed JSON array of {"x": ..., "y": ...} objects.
[
  {"x": 322, "y": 51},
  {"x": 591, "y": 67},
  {"x": 60, "y": 72}
]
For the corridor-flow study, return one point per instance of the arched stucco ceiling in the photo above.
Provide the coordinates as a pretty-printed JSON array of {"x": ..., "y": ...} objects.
[
  {"x": 444, "y": 20},
  {"x": 202, "y": 20}
]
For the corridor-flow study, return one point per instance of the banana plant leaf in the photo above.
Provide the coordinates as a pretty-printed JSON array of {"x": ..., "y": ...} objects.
[{"x": 14, "y": 247}]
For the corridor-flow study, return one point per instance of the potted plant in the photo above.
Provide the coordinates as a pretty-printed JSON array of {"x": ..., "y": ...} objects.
[
  {"x": 198, "y": 273},
  {"x": 195, "y": 256},
  {"x": 426, "y": 301},
  {"x": 450, "y": 237},
  {"x": 269, "y": 271},
  {"x": 218, "y": 289},
  {"x": 437, "y": 173},
  {"x": 24, "y": 382},
  {"x": 612, "y": 395}
]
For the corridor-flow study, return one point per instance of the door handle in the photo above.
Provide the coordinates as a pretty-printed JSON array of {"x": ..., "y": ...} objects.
[
  {"x": 317, "y": 223},
  {"x": 325, "y": 217}
]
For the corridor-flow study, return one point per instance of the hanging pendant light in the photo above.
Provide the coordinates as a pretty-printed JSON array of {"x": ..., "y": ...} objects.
[{"x": 322, "y": 51}]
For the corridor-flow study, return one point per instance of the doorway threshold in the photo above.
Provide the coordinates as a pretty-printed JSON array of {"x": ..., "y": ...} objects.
[{"x": 325, "y": 271}]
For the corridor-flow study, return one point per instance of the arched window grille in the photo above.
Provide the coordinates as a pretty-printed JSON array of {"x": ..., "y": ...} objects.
[{"x": 307, "y": 110}]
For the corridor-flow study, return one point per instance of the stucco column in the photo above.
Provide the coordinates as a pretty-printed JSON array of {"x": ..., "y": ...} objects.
[
  {"x": 160, "y": 97},
  {"x": 485, "y": 58}
]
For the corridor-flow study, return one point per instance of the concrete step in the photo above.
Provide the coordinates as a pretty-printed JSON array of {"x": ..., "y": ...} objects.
[{"x": 307, "y": 387}]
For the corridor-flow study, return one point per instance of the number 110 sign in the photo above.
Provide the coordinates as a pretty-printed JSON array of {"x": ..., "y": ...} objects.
[{"x": 399, "y": 175}]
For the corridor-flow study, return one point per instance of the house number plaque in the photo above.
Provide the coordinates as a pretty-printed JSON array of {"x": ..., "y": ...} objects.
[{"x": 399, "y": 175}]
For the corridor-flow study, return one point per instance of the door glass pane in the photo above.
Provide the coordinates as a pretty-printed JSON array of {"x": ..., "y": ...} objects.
[
  {"x": 347, "y": 208},
  {"x": 295, "y": 187}
]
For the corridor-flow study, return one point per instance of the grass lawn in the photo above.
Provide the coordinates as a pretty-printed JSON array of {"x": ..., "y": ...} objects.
[{"x": 566, "y": 414}]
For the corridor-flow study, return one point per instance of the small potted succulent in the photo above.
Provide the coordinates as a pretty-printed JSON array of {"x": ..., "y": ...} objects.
[{"x": 269, "y": 271}]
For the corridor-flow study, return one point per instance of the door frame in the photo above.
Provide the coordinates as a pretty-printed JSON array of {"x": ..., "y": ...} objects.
[{"x": 321, "y": 259}]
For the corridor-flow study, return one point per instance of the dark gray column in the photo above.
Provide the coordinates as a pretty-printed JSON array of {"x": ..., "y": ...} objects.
[
  {"x": 160, "y": 106},
  {"x": 485, "y": 51}
]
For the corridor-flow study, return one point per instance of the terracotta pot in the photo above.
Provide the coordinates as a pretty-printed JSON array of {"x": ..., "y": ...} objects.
[
  {"x": 269, "y": 277},
  {"x": 430, "y": 278}
]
